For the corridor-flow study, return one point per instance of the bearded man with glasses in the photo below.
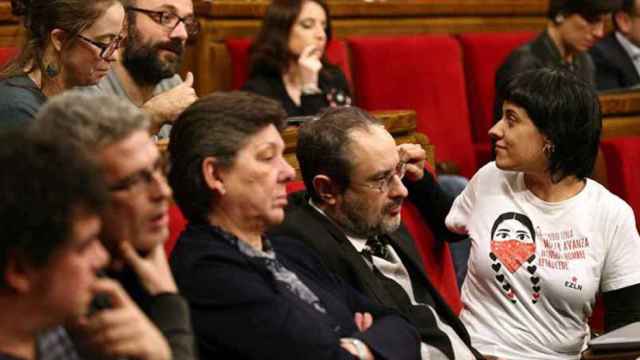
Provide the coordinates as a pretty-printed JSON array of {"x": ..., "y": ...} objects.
[
  {"x": 135, "y": 226},
  {"x": 147, "y": 73},
  {"x": 355, "y": 177}
]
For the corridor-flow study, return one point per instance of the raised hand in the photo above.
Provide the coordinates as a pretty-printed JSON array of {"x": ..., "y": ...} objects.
[
  {"x": 152, "y": 270},
  {"x": 415, "y": 156},
  {"x": 310, "y": 65},
  {"x": 165, "y": 107},
  {"x": 119, "y": 331}
]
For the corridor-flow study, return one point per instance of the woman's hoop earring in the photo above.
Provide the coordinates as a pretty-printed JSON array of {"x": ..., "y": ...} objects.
[
  {"x": 559, "y": 19},
  {"x": 548, "y": 149}
]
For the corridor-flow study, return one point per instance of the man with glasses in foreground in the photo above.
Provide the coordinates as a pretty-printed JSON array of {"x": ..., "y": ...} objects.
[
  {"x": 135, "y": 225},
  {"x": 350, "y": 215},
  {"x": 147, "y": 73}
]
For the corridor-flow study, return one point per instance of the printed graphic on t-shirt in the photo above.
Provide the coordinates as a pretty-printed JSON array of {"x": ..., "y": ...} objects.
[{"x": 513, "y": 248}]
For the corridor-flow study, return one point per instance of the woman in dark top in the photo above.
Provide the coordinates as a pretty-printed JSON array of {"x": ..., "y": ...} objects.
[
  {"x": 254, "y": 297},
  {"x": 287, "y": 59},
  {"x": 67, "y": 43},
  {"x": 573, "y": 27}
]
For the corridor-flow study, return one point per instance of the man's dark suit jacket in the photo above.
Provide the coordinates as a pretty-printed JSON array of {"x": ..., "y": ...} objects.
[
  {"x": 304, "y": 223},
  {"x": 614, "y": 67}
]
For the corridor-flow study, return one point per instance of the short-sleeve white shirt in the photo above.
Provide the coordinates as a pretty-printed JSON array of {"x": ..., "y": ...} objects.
[{"x": 531, "y": 285}]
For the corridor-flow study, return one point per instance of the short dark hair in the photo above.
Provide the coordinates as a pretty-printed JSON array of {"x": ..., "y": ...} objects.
[
  {"x": 323, "y": 145},
  {"x": 217, "y": 125},
  {"x": 45, "y": 182},
  {"x": 591, "y": 10},
  {"x": 523, "y": 219},
  {"x": 566, "y": 110},
  {"x": 270, "y": 53}
]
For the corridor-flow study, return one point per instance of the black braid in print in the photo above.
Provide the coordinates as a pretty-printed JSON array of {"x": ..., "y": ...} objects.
[{"x": 496, "y": 266}]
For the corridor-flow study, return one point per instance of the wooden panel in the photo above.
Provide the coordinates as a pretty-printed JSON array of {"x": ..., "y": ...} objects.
[
  {"x": 401, "y": 124},
  {"x": 621, "y": 114},
  {"x": 226, "y": 9}
]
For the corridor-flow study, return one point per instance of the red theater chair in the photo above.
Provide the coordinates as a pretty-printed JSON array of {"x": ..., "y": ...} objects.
[
  {"x": 483, "y": 55},
  {"x": 239, "y": 52},
  {"x": 7, "y": 54},
  {"x": 622, "y": 156},
  {"x": 424, "y": 73}
]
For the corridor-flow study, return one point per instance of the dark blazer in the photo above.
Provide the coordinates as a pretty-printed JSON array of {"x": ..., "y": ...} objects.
[
  {"x": 614, "y": 67},
  {"x": 331, "y": 80},
  {"x": 241, "y": 312},
  {"x": 539, "y": 53},
  {"x": 304, "y": 223}
]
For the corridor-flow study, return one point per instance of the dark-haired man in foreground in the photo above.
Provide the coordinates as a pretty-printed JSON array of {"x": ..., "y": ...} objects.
[{"x": 51, "y": 197}]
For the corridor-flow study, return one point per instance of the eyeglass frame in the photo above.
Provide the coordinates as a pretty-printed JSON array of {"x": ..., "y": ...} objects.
[
  {"x": 157, "y": 15},
  {"x": 157, "y": 172},
  {"x": 105, "y": 51},
  {"x": 383, "y": 185}
]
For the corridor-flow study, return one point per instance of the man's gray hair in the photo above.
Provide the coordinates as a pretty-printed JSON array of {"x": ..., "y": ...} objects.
[{"x": 93, "y": 121}]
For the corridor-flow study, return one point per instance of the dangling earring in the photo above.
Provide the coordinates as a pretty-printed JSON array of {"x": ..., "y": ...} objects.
[
  {"x": 559, "y": 19},
  {"x": 548, "y": 149},
  {"x": 51, "y": 71}
]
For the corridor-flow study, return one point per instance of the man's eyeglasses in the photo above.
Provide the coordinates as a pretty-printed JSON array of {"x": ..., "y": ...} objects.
[
  {"x": 106, "y": 50},
  {"x": 170, "y": 20},
  {"x": 383, "y": 185},
  {"x": 143, "y": 178}
]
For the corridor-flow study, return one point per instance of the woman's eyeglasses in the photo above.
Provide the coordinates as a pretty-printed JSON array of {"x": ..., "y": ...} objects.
[
  {"x": 106, "y": 50},
  {"x": 170, "y": 20}
]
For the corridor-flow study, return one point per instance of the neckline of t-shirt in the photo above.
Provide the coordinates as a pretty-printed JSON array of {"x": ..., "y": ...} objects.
[{"x": 529, "y": 195}]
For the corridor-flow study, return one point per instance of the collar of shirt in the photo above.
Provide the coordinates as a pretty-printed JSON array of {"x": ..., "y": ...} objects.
[
  {"x": 629, "y": 47},
  {"x": 357, "y": 242}
]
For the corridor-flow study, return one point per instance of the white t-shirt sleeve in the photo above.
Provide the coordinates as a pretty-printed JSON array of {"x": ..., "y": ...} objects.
[
  {"x": 621, "y": 266},
  {"x": 462, "y": 207}
]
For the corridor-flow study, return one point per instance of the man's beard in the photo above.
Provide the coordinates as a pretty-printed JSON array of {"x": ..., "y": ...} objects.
[
  {"x": 143, "y": 61},
  {"x": 351, "y": 218}
]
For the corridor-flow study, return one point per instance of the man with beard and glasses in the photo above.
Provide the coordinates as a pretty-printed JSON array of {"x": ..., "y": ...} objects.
[
  {"x": 350, "y": 215},
  {"x": 147, "y": 73}
]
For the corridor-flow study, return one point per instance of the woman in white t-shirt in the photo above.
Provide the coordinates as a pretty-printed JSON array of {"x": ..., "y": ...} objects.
[{"x": 545, "y": 238}]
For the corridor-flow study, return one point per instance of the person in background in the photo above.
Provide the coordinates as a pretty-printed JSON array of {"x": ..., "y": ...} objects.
[
  {"x": 545, "y": 239},
  {"x": 135, "y": 226},
  {"x": 51, "y": 198},
  {"x": 255, "y": 296},
  {"x": 288, "y": 60},
  {"x": 573, "y": 27},
  {"x": 617, "y": 56},
  {"x": 350, "y": 215},
  {"x": 147, "y": 73},
  {"x": 67, "y": 43}
]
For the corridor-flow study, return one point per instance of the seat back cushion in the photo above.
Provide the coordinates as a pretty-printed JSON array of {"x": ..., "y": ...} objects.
[{"x": 424, "y": 73}]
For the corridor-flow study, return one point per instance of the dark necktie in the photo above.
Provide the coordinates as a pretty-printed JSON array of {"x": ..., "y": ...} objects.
[
  {"x": 375, "y": 247},
  {"x": 420, "y": 315}
]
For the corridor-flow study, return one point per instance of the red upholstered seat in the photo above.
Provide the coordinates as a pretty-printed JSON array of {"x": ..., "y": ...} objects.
[
  {"x": 483, "y": 55},
  {"x": 177, "y": 223},
  {"x": 6, "y": 54},
  {"x": 424, "y": 73},
  {"x": 238, "y": 48},
  {"x": 435, "y": 255},
  {"x": 622, "y": 156}
]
